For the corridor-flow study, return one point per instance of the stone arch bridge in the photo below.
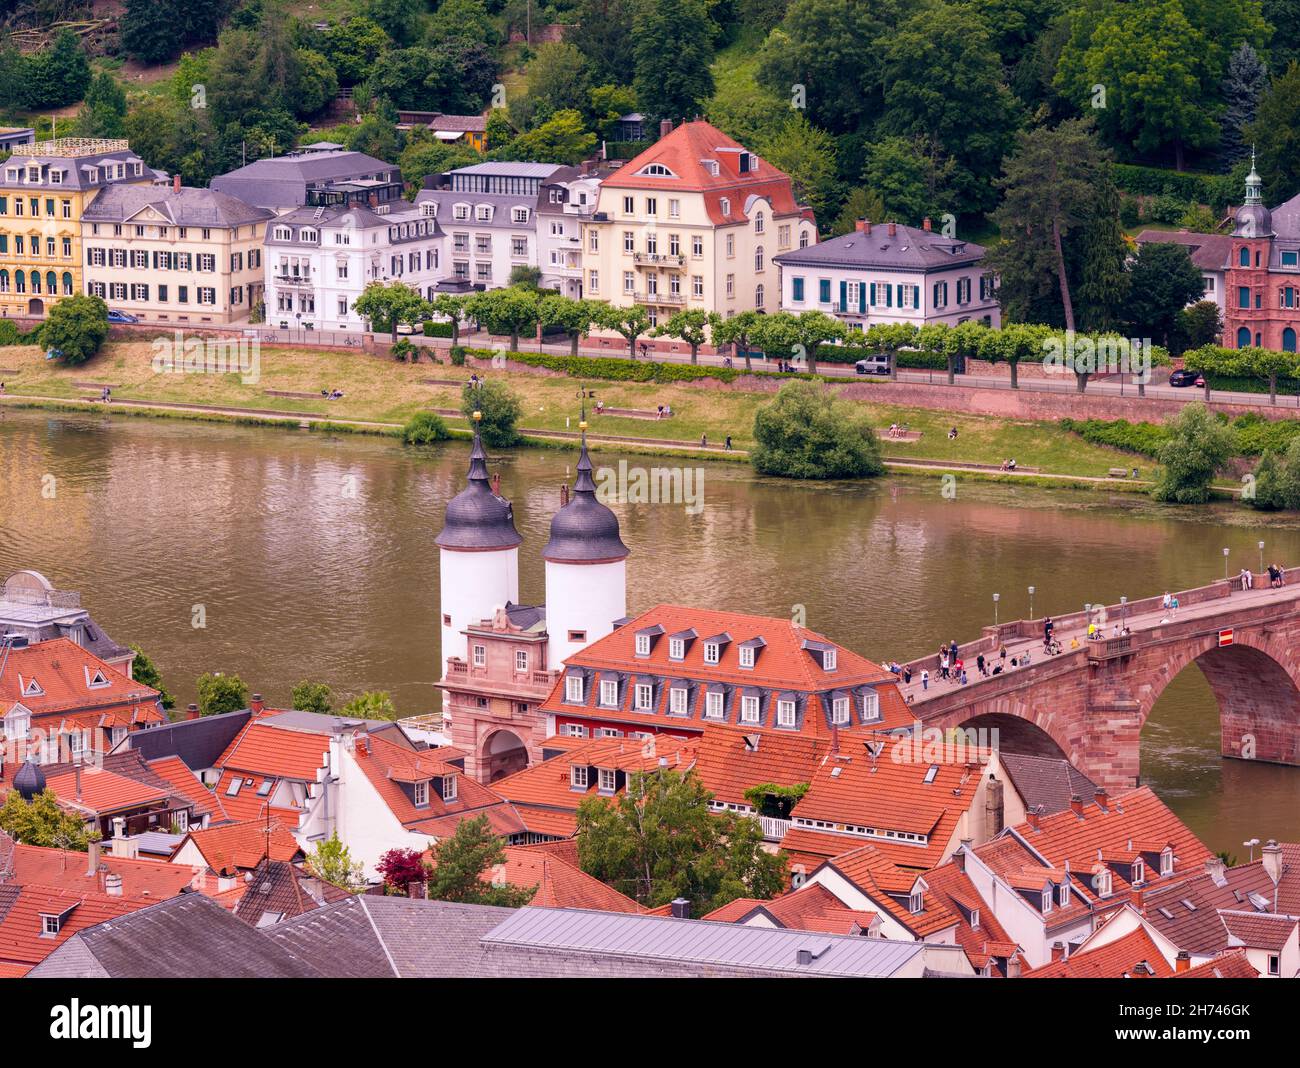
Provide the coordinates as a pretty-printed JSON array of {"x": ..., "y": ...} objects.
[{"x": 1091, "y": 700}]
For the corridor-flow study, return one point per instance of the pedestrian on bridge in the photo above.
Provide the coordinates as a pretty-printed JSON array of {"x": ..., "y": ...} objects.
[{"x": 925, "y": 679}]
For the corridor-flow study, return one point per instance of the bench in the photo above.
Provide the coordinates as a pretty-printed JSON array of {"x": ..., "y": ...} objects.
[
  {"x": 899, "y": 435},
  {"x": 291, "y": 393},
  {"x": 632, "y": 413},
  {"x": 442, "y": 382},
  {"x": 1118, "y": 472}
]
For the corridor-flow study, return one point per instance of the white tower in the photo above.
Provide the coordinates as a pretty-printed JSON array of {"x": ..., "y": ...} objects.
[
  {"x": 478, "y": 555},
  {"x": 586, "y": 569}
]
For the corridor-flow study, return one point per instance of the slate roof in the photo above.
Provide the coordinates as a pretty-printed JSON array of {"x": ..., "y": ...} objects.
[
  {"x": 277, "y": 890},
  {"x": 1046, "y": 781},
  {"x": 281, "y": 181},
  {"x": 188, "y": 936},
  {"x": 909, "y": 248},
  {"x": 198, "y": 742},
  {"x": 185, "y": 207},
  {"x": 1209, "y": 252}
]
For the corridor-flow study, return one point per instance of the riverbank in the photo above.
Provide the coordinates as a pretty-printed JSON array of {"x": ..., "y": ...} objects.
[{"x": 289, "y": 383}]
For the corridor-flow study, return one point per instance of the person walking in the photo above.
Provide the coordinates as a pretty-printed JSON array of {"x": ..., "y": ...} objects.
[
  {"x": 727, "y": 444},
  {"x": 907, "y": 674},
  {"x": 704, "y": 441},
  {"x": 925, "y": 679},
  {"x": 979, "y": 665},
  {"x": 943, "y": 665},
  {"x": 1048, "y": 627}
]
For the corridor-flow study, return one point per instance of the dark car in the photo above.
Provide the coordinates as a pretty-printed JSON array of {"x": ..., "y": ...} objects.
[
  {"x": 121, "y": 317},
  {"x": 1184, "y": 377}
]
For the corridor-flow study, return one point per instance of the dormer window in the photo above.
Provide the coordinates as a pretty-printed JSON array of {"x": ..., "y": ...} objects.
[
  {"x": 607, "y": 781},
  {"x": 677, "y": 648},
  {"x": 712, "y": 650},
  {"x": 749, "y": 710},
  {"x": 307, "y": 235},
  {"x": 50, "y": 926},
  {"x": 98, "y": 681},
  {"x": 870, "y": 706},
  {"x": 1063, "y": 894},
  {"x": 711, "y": 165},
  {"x": 1104, "y": 885},
  {"x": 578, "y": 776},
  {"x": 643, "y": 645},
  {"x": 677, "y": 701},
  {"x": 450, "y": 787},
  {"x": 283, "y": 233},
  {"x": 421, "y": 793},
  {"x": 713, "y": 705},
  {"x": 656, "y": 170},
  {"x": 609, "y": 693},
  {"x": 785, "y": 714},
  {"x": 747, "y": 656},
  {"x": 1139, "y": 871},
  {"x": 975, "y": 919},
  {"x": 644, "y": 697},
  {"x": 725, "y": 206},
  {"x": 840, "y": 710},
  {"x": 460, "y": 212},
  {"x": 1167, "y": 862},
  {"x": 484, "y": 213},
  {"x": 828, "y": 660},
  {"x": 1047, "y": 900},
  {"x": 573, "y": 688},
  {"x": 519, "y": 215},
  {"x": 916, "y": 902},
  {"x": 33, "y": 689}
]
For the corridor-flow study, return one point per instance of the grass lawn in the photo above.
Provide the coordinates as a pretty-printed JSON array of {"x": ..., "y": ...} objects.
[{"x": 382, "y": 390}]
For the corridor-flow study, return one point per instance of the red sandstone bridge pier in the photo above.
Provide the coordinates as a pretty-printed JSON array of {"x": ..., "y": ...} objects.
[{"x": 1091, "y": 700}]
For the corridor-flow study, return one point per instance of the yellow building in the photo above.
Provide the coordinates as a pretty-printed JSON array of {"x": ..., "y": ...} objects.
[{"x": 44, "y": 188}]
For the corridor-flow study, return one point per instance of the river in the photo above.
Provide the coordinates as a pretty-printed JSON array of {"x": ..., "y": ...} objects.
[{"x": 306, "y": 555}]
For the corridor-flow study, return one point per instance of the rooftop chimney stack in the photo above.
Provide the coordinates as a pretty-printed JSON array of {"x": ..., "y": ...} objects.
[
  {"x": 92, "y": 859},
  {"x": 1183, "y": 962},
  {"x": 959, "y": 857},
  {"x": 925, "y": 224},
  {"x": 1076, "y": 805},
  {"x": 191, "y": 711},
  {"x": 665, "y": 127},
  {"x": 681, "y": 908},
  {"x": 176, "y": 183},
  {"x": 1272, "y": 858},
  {"x": 993, "y": 811},
  {"x": 1033, "y": 815},
  {"x": 113, "y": 884},
  {"x": 864, "y": 226},
  {"x": 1101, "y": 797},
  {"x": 893, "y": 229},
  {"x": 257, "y": 705}
]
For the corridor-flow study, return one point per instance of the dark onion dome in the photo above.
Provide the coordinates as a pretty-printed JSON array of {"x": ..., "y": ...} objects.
[
  {"x": 584, "y": 531},
  {"x": 477, "y": 518},
  {"x": 1253, "y": 218},
  {"x": 30, "y": 780}
]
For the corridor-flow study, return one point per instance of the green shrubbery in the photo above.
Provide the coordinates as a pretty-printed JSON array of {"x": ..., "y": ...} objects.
[
  {"x": 424, "y": 428},
  {"x": 1144, "y": 439},
  {"x": 432, "y": 329},
  {"x": 620, "y": 369},
  {"x": 809, "y": 432}
]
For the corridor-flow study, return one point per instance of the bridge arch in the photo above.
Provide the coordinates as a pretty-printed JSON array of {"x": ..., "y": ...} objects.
[{"x": 503, "y": 753}]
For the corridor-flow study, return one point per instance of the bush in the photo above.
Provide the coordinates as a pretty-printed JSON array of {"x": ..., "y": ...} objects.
[
  {"x": 424, "y": 428},
  {"x": 1257, "y": 435},
  {"x": 1217, "y": 190},
  {"x": 458, "y": 355},
  {"x": 402, "y": 350},
  {"x": 76, "y": 326},
  {"x": 432, "y": 329},
  {"x": 615, "y": 369},
  {"x": 808, "y": 432},
  {"x": 1197, "y": 447},
  {"x": 499, "y": 408},
  {"x": 1145, "y": 439},
  {"x": 11, "y": 335}
]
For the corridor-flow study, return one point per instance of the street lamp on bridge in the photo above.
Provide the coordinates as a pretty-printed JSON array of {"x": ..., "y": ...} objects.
[
  {"x": 1225, "y": 564},
  {"x": 996, "y": 597},
  {"x": 1261, "y": 557},
  {"x": 1123, "y": 611},
  {"x": 1031, "y": 602}
]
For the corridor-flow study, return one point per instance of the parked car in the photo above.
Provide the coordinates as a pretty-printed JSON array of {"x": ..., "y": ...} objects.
[
  {"x": 873, "y": 365},
  {"x": 1184, "y": 377},
  {"x": 405, "y": 328},
  {"x": 121, "y": 317}
]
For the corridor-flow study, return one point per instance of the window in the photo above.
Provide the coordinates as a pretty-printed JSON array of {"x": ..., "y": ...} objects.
[
  {"x": 840, "y": 710},
  {"x": 713, "y": 705},
  {"x": 521, "y": 660},
  {"x": 594, "y": 283},
  {"x": 643, "y": 645},
  {"x": 677, "y": 701},
  {"x": 1243, "y": 257},
  {"x": 785, "y": 713},
  {"x": 1063, "y": 894},
  {"x": 657, "y": 170},
  {"x": 629, "y": 282},
  {"x": 629, "y": 205},
  {"x": 573, "y": 730},
  {"x": 725, "y": 206},
  {"x": 697, "y": 245},
  {"x": 759, "y": 222},
  {"x": 608, "y": 779},
  {"x": 828, "y": 660},
  {"x": 480, "y": 656},
  {"x": 234, "y": 786},
  {"x": 749, "y": 710},
  {"x": 697, "y": 285},
  {"x": 1289, "y": 259},
  {"x": 578, "y": 776},
  {"x": 1139, "y": 871},
  {"x": 1274, "y": 961},
  {"x": 747, "y": 656},
  {"x": 870, "y": 706},
  {"x": 1167, "y": 862},
  {"x": 519, "y": 215},
  {"x": 796, "y": 290},
  {"x": 674, "y": 209},
  {"x": 573, "y": 688},
  {"x": 450, "y": 787},
  {"x": 758, "y": 258},
  {"x": 712, "y": 651},
  {"x": 422, "y": 792},
  {"x": 916, "y": 902},
  {"x": 1243, "y": 296},
  {"x": 1047, "y": 900},
  {"x": 759, "y": 297},
  {"x": 593, "y": 240},
  {"x": 609, "y": 693},
  {"x": 50, "y": 926},
  {"x": 644, "y": 698},
  {"x": 652, "y": 205},
  {"x": 676, "y": 648}
]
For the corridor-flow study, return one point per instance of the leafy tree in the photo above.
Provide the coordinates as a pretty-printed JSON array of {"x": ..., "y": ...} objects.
[
  {"x": 1277, "y": 479},
  {"x": 331, "y": 862},
  {"x": 1102, "y": 255},
  {"x": 43, "y": 822},
  {"x": 861, "y": 203},
  {"x": 1284, "y": 17},
  {"x": 808, "y": 432},
  {"x": 738, "y": 330},
  {"x": 424, "y": 155},
  {"x": 1276, "y": 136},
  {"x": 658, "y": 841},
  {"x": 389, "y": 304},
  {"x": 424, "y": 428},
  {"x": 607, "y": 104},
  {"x": 574, "y": 317},
  {"x": 57, "y": 76},
  {"x": 403, "y": 77},
  {"x": 908, "y": 177},
  {"x": 1243, "y": 86},
  {"x": 499, "y": 410},
  {"x": 401, "y": 20},
  {"x": 497, "y": 131},
  {"x": 373, "y": 704},
  {"x": 311, "y": 696},
  {"x": 558, "y": 80},
  {"x": 1050, "y": 185},
  {"x": 690, "y": 325},
  {"x": 400, "y": 868},
  {"x": 76, "y": 327},
  {"x": 469, "y": 19},
  {"x": 673, "y": 45},
  {"x": 174, "y": 137},
  {"x": 807, "y": 155},
  {"x": 103, "y": 113},
  {"x": 220, "y": 693},
  {"x": 603, "y": 32},
  {"x": 632, "y": 322},
  {"x": 1162, "y": 281},
  {"x": 525, "y": 276},
  {"x": 511, "y": 311},
  {"x": 1013, "y": 343},
  {"x": 145, "y": 672},
  {"x": 451, "y": 305},
  {"x": 1197, "y": 447},
  {"x": 890, "y": 338},
  {"x": 1198, "y": 325},
  {"x": 563, "y": 138},
  {"x": 352, "y": 46},
  {"x": 783, "y": 333},
  {"x": 154, "y": 31},
  {"x": 461, "y": 863},
  {"x": 316, "y": 85},
  {"x": 376, "y": 135},
  {"x": 943, "y": 81}
]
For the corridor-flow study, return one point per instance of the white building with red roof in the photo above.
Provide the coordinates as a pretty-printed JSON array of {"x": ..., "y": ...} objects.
[{"x": 693, "y": 222}]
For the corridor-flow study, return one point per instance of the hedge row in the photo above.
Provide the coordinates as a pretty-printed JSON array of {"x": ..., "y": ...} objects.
[
  {"x": 1217, "y": 190},
  {"x": 1255, "y": 435},
  {"x": 11, "y": 335},
  {"x": 1237, "y": 384},
  {"x": 432, "y": 329},
  {"x": 616, "y": 369}
]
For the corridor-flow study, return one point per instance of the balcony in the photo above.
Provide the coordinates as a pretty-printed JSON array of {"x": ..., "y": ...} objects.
[
  {"x": 773, "y": 829},
  {"x": 293, "y": 279},
  {"x": 659, "y": 298},
  {"x": 654, "y": 259}
]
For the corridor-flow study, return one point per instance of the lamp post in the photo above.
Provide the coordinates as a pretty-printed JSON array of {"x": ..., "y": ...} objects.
[
  {"x": 1123, "y": 611},
  {"x": 1225, "y": 564},
  {"x": 1261, "y": 557},
  {"x": 1031, "y": 602},
  {"x": 1251, "y": 844},
  {"x": 996, "y": 597}
]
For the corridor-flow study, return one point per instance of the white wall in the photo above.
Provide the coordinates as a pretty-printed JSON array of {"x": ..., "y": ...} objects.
[
  {"x": 582, "y": 597},
  {"x": 473, "y": 586}
]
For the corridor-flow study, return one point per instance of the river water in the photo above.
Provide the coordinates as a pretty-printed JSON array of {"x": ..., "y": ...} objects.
[{"x": 305, "y": 555}]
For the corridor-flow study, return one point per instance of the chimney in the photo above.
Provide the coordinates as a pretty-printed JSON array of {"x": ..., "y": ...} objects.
[
  {"x": 681, "y": 908},
  {"x": 1033, "y": 816},
  {"x": 257, "y": 705},
  {"x": 1101, "y": 797},
  {"x": 993, "y": 811},
  {"x": 665, "y": 127},
  {"x": 1183, "y": 962},
  {"x": 1271, "y": 855},
  {"x": 925, "y": 224},
  {"x": 959, "y": 857},
  {"x": 863, "y": 226},
  {"x": 1136, "y": 892},
  {"x": 1013, "y": 967},
  {"x": 119, "y": 827},
  {"x": 113, "y": 884},
  {"x": 1214, "y": 867},
  {"x": 1058, "y": 951},
  {"x": 176, "y": 183},
  {"x": 1076, "y": 805},
  {"x": 191, "y": 711},
  {"x": 893, "y": 229},
  {"x": 92, "y": 859}
]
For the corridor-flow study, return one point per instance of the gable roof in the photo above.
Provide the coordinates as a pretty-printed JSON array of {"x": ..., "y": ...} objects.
[
  {"x": 907, "y": 248},
  {"x": 982, "y": 943},
  {"x": 242, "y": 846},
  {"x": 184, "y": 207},
  {"x": 810, "y": 908},
  {"x": 22, "y": 908},
  {"x": 1209, "y": 252},
  {"x": 277, "y": 890},
  {"x": 62, "y": 671},
  {"x": 1121, "y": 958},
  {"x": 1047, "y": 781},
  {"x": 558, "y": 883}
]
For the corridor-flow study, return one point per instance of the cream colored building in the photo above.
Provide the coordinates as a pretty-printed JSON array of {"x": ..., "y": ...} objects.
[
  {"x": 174, "y": 254},
  {"x": 693, "y": 222}
]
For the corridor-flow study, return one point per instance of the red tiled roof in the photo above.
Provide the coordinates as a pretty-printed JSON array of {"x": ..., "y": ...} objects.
[
  {"x": 888, "y": 886},
  {"x": 247, "y": 805},
  {"x": 1258, "y": 930},
  {"x": 559, "y": 884},
  {"x": 177, "y": 774},
  {"x": 810, "y": 908},
  {"x": 783, "y": 664},
  {"x": 23, "y": 906},
  {"x": 152, "y": 880},
  {"x": 683, "y": 152},
  {"x": 276, "y": 752},
  {"x": 1114, "y": 960},
  {"x": 63, "y": 671},
  {"x": 102, "y": 791},
  {"x": 990, "y": 939},
  {"x": 241, "y": 846},
  {"x": 1230, "y": 965}
]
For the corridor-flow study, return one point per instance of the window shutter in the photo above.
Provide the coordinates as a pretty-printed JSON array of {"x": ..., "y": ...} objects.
[
  {"x": 862, "y": 298},
  {"x": 873, "y": 294},
  {"x": 844, "y": 296}
]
